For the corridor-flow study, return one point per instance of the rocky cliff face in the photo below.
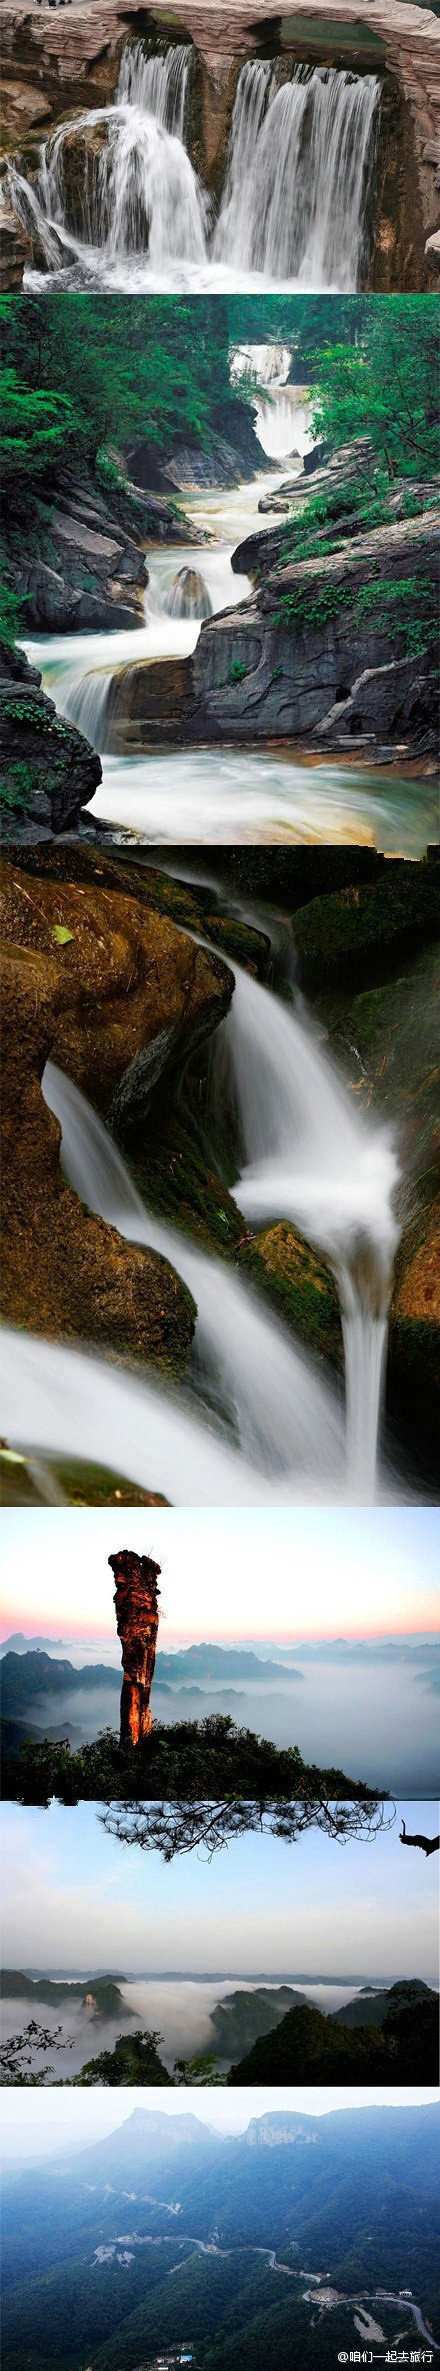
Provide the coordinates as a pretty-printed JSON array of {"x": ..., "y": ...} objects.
[
  {"x": 86, "y": 566},
  {"x": 137, "y": 1621},
  {"x": 316, "y": 659},
  {"x": 48, "y": 771},
  {"x": 313, "y": 656}
]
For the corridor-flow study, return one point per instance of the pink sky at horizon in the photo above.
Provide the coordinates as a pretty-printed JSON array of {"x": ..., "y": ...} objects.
[
  {"x": 227, "y": 1575},
  {"x": 170, "y": 1635}
]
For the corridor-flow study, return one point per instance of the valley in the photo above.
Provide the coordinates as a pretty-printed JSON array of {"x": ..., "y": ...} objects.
[{"x": 170, "y": 2276}]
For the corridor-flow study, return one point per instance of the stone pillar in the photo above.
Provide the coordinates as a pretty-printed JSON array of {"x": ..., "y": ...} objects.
[{"x": 137, "y": 1620}]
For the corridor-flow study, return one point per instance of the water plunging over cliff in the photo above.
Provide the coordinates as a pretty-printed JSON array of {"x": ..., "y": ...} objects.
[
  {"x": 308, "y": 1156},
  {"x": 116, "y": 199},
  {"x": 262, "y": 1421},
  {"x": 299, "y": 164}
]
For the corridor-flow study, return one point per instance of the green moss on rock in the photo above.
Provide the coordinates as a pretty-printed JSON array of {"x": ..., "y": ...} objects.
[{"x": 300, "y": 1286}]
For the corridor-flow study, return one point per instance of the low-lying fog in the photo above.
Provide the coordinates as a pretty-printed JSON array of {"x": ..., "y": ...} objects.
[
  {"x": 178, "y": 2008},
  {"x": 372, "y": 1714}
]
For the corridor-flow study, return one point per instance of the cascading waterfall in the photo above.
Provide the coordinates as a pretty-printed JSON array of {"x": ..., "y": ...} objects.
[
  {"x": 283, "y": 425},
  {"x": 309, "y": 1157},
  {"x": 300, "y": 160},
  {"x": 262, "y": 1425},
  {"x": 284, "y": 1418},
  {"x": 139, "y": 192}
]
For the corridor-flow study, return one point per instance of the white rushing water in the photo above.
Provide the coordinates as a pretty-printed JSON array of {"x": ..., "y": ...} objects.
[
  {"x": 293, "y": 209},
  {"x": 310, "y": 1157},
  {"x": 226, "y": 796},
  {"x": 77, "y": 669},
  {"x": 263, "y": 1422}
]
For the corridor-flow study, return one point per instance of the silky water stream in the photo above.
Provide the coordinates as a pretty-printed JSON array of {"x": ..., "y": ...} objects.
[
  {"x": 221, "y": 794},
  {"x": 258, "y": 1422}
]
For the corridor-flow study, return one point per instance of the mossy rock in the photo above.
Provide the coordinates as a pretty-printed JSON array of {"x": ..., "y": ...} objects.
[
  {"x": 74, "y": 1481},
  {"x": 178, "y": 1183},
  {"x": 248, "y": 947},
  {"x": 301, "y": 1287},
  {"x": 189, "y": 906},
  {"x": 361, "y": 932}
]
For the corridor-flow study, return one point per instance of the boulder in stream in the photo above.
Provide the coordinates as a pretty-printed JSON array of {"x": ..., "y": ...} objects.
[{"x": 188, "y": 595}]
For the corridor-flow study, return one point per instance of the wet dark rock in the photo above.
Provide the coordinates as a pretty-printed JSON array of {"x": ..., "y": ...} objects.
[{"x": 48, "y": 771}]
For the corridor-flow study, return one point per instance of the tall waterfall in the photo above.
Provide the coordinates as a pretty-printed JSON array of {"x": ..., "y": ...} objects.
[
  {"x": 139, "y": 193},
  {"x": 299, "y": 163},
  {"x": 308, "y": 1157},
  {"x": 116, "y": 195},
  {"x": 262, "y": 1422}
]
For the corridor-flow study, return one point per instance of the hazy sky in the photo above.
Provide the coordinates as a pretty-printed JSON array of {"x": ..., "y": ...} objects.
[
  {"x": 80, "y": 2117},
  {"x": 74, "y": 1898},
  {"x": 227, "y": 1574}
]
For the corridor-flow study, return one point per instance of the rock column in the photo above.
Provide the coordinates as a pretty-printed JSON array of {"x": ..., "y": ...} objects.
[{"x": 137, "y": 1619}]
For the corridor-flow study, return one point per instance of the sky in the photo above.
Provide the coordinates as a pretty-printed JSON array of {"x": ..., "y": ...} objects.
[
  {"x": 76, "y": 1899},
  {"x": 80, "y": 2117},
  {"x": 226, "y": 1574}
]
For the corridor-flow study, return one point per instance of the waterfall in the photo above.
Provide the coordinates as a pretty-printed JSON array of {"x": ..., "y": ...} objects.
[
  {"x": 261, "y": 1423},
  {"x": 84, "y": 699},
  {"x": 300, "y": 160},
  {"x": 116, "y": 189},
  {"x": 139, "y": 193},
  {"x": 308, "y": 1156},
  {"x": 283, "y": 425},
  {"x": 284, "y": 1418},
  {"x": 269, "y": 364}
]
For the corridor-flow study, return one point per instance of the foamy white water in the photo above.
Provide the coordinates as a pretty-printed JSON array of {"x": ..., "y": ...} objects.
[
  {"x": 228, "y": 795},
  {"x": 310, "y": 1157},
  {"x": 77, "y": 669},
  {"x": 307, "y": 1157},
  {"x": 292, "y": 211}
]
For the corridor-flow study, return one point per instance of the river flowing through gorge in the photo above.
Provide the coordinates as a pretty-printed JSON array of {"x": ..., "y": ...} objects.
[
  {"x": 221, "y": 794},
  {"x": 258, "y": 1421},
  {"x": 116, "y": 201}
]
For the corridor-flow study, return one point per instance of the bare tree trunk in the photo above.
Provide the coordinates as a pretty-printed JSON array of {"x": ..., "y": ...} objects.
[
  {"x": 426, "y": 1843},
  {"x": 137, "y": 1619}
]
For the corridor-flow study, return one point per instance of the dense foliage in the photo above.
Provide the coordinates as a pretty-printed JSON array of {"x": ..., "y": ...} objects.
[
  {"x": 309, "y": 2047},
  {"x": 192, "y": 1760},
  {"x": 385, "y": 386},
  {"x": 95, "y": 372}
]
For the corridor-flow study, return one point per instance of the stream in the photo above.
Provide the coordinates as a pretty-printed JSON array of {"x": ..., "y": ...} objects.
[
  {"x": 117, "y": 204},
  {"x": 256, "y": 1422},
  {"x": 173, "y": 795}
]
